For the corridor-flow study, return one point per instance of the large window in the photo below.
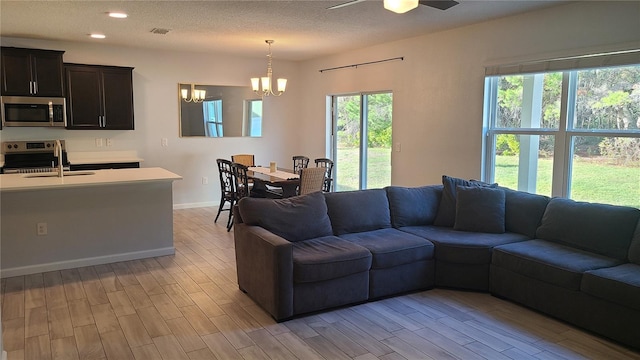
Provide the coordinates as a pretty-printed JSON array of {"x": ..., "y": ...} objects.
[{"x": 571, "y": 133}]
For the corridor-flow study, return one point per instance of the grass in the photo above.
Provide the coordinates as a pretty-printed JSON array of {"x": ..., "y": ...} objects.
[
  {"x": 379, "y": 168},
  {"x": 592, "y": 181}
]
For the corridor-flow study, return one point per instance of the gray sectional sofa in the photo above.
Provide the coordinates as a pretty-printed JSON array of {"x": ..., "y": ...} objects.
[{"x": 576, "y": 261}]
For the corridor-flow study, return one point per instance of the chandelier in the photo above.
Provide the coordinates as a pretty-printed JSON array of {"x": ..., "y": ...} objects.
[
  {"x": 267, "y": 81},
  {"x": 197, "y": 96}
]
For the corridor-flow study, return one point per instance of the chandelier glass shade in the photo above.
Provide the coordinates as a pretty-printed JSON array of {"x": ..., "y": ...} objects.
[
  {"x": 197, "y": 96},
  {"x": 400, "y": 6},
  {"x": 263, "y": 86}
]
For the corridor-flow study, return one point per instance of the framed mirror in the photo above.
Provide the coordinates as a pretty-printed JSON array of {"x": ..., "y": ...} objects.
[{"x": 219, "y": 111}]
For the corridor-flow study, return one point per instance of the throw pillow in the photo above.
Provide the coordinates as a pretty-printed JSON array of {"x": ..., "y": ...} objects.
[
  {"x": 295, "y": 219},
  {"x": 480, "y": 209},
  {"x": 446, "y": 215}
]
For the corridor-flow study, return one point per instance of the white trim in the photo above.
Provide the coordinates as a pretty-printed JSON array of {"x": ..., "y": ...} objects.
[
  {"x": 98, "y": 260},
  {"x": 196, "y": 205}
]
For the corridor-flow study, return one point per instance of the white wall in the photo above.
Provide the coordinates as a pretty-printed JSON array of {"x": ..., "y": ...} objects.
[
  {"x": 438, "y": 88},
  {"x": 155, "y": 81},
  {"x": 438, "y": 94}
]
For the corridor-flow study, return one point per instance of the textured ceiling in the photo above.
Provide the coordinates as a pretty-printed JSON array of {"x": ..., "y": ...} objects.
[{"x": 302, "y": 29}]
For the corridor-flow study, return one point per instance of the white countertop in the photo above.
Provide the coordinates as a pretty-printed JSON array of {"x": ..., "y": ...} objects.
[
  {"x": 16, "y": 182},
  {"x": 102, "y": 157}
]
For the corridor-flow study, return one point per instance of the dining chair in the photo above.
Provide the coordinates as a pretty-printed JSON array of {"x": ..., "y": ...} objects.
[
  {"x": 227, "y": 189},
  {"x": 327, "y": 164},
  {"x": 311, "y": 180},
  {"x": 244, "y": 159},
  {"x": 300, "y": 162},
  {"x": 241, "y": 183}
]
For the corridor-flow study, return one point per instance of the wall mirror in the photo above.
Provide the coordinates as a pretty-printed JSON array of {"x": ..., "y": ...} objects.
[{"x": 225, "y": 111}]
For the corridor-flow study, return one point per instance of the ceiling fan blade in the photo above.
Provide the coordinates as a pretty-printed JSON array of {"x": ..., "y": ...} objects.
[
  {"x": 439, "y": 4},
  {"x": 348, "y": 3}
]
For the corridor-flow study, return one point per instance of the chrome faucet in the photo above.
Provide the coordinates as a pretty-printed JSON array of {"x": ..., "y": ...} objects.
[{"x": 57, "y": 152}]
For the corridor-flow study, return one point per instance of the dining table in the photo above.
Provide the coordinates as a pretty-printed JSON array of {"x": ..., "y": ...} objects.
[{"x": 265, "y": 180}]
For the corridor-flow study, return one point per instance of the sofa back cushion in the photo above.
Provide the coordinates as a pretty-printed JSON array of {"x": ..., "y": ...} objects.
[
  {"x": 358, "y": 211},
  {"x": 446, "y": 215},
  {"x": 634, "y": 249},
  {"x": 600, "y": 228},
  {"x": 523, "y": 211},
  {"x": 413, "y": 206},
  {"x": 295, "y": 219}
]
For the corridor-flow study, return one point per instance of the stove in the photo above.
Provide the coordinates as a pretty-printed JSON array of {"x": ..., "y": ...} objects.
[{"x": 32, "y": 156}]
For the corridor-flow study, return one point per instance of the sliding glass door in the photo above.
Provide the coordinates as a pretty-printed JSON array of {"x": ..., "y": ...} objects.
[{"x": 362, "y": 141}]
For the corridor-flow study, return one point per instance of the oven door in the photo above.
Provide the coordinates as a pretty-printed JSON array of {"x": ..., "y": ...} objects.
[{"x": 33, "y": 111}]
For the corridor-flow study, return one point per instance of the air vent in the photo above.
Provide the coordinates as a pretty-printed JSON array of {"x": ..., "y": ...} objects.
[{"x": 160, "y": 31}]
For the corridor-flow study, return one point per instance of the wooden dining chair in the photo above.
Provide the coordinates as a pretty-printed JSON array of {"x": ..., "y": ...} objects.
[
  {"x": 227, "y": 189},
  {"x": 327, "y": 164},
  {"x": 241, "y": 186},
  {"x": 244, "y": 159},
  {"x": 311, "y": 180},
  {"x": 300, "y": 162}
]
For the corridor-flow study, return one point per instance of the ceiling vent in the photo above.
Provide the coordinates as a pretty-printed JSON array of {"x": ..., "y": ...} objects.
[{"x": 160, "y": 31}]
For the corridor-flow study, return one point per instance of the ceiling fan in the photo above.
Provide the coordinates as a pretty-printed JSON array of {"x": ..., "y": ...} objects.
[{"x": 402, "y": 6}]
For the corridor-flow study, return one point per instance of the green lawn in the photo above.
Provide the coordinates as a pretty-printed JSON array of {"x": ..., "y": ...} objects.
[
  {"x": 592, "y": 181},
  {"x": 379, "y": 166}
]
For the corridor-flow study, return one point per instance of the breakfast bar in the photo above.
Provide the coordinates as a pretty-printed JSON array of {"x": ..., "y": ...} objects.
[{"x": 84, "y": 218}]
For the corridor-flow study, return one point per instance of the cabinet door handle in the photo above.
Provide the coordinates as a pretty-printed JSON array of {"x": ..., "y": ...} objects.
[
  {"x": 35, "y": 87},
  {"x": 31, "y": 87}
]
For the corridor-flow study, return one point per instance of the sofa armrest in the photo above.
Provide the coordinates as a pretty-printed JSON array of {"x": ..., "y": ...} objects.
[{"x": 264, "y": 262}]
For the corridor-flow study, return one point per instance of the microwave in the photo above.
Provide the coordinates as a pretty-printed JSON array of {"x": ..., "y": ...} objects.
[{"x": 33, "y": 111}]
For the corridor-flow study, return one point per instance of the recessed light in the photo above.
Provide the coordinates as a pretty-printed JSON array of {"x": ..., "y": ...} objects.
[
  {"x": 118, "y": 15},
  {"x": 98, "y": 36}
]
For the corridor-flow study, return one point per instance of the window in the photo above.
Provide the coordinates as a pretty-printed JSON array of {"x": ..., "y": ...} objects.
[
  {"x": 254, "y": 117},
  {"x": 573, "y": 133},
  {"x": 362, "y": 124},
  {"x": 212, "y": 111}
]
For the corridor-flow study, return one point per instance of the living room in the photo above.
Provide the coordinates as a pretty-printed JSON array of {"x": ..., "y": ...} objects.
[{"x": 438, "y": 94}]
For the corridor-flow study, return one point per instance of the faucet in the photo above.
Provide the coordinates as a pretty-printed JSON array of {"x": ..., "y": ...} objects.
[{"x": 57, "y": 152}]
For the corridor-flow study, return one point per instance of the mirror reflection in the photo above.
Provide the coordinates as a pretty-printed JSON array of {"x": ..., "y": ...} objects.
[{"x": 225, "y": 111}]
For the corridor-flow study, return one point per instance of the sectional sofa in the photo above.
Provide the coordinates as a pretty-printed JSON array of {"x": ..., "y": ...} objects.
[{"x": 576, "y": 261}]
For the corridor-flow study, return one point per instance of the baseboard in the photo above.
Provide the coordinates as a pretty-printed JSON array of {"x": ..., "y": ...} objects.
[
  {"x": 98, "y": 260},
  {"x": 195, "y": 205}
]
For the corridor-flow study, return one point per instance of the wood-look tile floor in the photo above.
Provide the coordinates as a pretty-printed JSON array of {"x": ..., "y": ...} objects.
[{"x": 188, "y": 306}]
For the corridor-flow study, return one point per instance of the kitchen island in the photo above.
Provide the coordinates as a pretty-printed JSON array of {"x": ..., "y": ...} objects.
[{"x": 84, "y": 218}]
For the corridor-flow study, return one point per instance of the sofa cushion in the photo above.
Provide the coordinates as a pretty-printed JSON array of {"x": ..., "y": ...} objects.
[
  {"x": 328, "y": 258},
  {"x": 446, "y": 214},
  {"x": 357, "y": 211},
  {"x": 295, "y": 219},
  {"x": 479, "y": 209},
  {"x": 460, "y": 246},
  {"x": 413, "y": 206},
  {"x": 620, "y": 284},
  {"x": 392, "y": 247},
  {"x": 600, "y": 228},
  {"x": 523, "y": 211},
  {"x": 549, "y": 262}
]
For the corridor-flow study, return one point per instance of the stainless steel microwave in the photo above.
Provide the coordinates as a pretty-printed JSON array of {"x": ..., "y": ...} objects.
[{"x": 33, "y": 111}]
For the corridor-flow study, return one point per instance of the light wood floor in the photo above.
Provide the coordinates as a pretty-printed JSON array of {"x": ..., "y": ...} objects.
[{"x": 188, "y": 306}]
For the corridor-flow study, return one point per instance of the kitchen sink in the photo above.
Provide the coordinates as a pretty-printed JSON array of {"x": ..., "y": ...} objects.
[{"x": 54, "y": 174}]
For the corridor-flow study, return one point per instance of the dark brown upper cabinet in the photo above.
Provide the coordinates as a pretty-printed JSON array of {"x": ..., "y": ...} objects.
[
  {"x": 99, "y": 97},
  {"x": 31, "y": 72}
]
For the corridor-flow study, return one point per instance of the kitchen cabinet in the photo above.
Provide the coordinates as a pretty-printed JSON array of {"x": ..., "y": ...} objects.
[
  {"x": 31, "y": 72},
  {"x": 99, "y": 97}
]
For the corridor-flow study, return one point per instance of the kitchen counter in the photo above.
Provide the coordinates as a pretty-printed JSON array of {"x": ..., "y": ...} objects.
[
  {"x": 94, "y": 217},
  {"x": 16, "y": 182}
]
